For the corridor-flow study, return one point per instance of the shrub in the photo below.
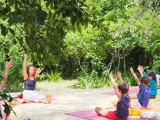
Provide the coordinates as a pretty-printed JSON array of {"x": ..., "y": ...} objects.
[{"x": 53, "y": 76}]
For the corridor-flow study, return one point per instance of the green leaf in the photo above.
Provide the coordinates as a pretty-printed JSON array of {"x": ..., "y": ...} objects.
[
  {"x": 106, "y": 29},
  {"x": 6, "y": 50},
  {"x": 10, "y": 98},
  {"x": 4, "y": 30},
  {"x": 12, "y": 110},
  {"x": 79, "y": 27},
  {"x": 12, "y": 31},
  {"x": 94, "y": 25},
  {"x": 3, "y": 96},
  {"x": 101, "y": 20},
  {"x": 46, "y": 48},
  {"x": 73, "y": 13},
  {"x": 21, "y": 41},
  {"x": 6, "y": 109},
  {"x": 39, "y": 55},
  {"x": 14, "y": 41},
  {"x": 51, "y": 20},
  {"x": 1, "y": 115},
  {"x": 62, "y": 4},
  {"x": 57, "y": 23},
  {"x": 47, "y": 4}
]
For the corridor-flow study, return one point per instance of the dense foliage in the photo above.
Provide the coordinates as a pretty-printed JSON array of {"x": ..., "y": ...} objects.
[{"x": 83, "y": 39}]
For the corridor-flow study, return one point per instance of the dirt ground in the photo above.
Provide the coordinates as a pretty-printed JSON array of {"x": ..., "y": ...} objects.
[{"x": 66, "y": 100}]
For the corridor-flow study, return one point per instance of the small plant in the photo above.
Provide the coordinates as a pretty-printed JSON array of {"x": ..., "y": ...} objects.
[
  {"x": 53, "y": 76},
  {"x": 42, "y": 77},
  {"x": 93, "y": 80},
  {"x": 130, "y": 79}
]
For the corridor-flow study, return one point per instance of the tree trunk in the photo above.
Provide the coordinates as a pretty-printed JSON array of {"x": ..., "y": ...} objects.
[
  {"x": 112, "y": 60},
  {"x": 81, "y": 66},
  {"x": 124, "y": 58},
  {"x": 119, "y": 60}
]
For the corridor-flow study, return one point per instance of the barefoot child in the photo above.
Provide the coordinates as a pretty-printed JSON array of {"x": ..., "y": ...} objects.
[
  {"x": 152, "y": 81},
  {"x": 144, "y": 92},
  {"x": 29, "y": 92},
  {"x": 122, "y": 111}
]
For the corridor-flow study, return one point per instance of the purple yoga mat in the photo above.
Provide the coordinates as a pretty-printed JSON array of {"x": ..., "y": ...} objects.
[
  {"x": 133, "y": 90},
  {"x": 91, "y": 115}
]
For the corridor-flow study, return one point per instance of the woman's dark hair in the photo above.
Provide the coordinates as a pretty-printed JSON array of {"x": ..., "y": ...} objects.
[
  {"x": 29, "y": 66},
  {"x": 153, "y": 75},
  {"x": 144, "y": 80},
  {"x": 124, "y": 87}
]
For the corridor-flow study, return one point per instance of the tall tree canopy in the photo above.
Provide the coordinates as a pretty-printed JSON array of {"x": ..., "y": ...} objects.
[
  {"x": 41, "y": 25},
  {"x": 82, "y": 39}
]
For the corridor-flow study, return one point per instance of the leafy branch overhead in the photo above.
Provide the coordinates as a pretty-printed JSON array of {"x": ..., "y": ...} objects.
[{"x": 41, "y": 25}]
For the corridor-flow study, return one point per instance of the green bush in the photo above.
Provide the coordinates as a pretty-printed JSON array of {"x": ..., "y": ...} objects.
[
  {"x": 42, "y": 77},
  {"x": 130, "y": 79},
  {"x": 93, "y": 80},
  {"x": 15, "y": 74},
  {"x": 53, "y": 76}
]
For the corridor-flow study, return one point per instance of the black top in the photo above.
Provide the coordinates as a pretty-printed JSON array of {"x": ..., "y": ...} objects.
[
  {"x": 122, "y": 107},
  {"x": 30, "y": 84}
]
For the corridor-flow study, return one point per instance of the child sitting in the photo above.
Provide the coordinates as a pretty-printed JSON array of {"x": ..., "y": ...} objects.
[
  {"x": 152, "y": 81},
  {"x": 122, "y": 111},
  {"x": 144, "y": 92}
]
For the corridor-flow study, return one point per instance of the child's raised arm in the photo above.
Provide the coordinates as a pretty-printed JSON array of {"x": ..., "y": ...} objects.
[
  {"x": 135, "y": 76},
  {"x": 24, "y": 67},
  {"x": 141, "y": 70},
  {"x": 114, "y": 86},
  {"x": 8, "y": 65},
  {"x": 120, "y": 76}
]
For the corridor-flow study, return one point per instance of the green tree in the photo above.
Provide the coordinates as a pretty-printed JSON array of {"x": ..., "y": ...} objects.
[{"x": 41, "y": 25}]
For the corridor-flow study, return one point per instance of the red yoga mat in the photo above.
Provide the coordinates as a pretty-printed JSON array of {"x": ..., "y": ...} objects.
[
  {"x": 92, "y": 115},
  {"x": 133, "y": 90},
  {"x": 22, "y": 101}
]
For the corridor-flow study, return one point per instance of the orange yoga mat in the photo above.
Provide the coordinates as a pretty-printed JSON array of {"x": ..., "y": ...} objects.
[
  {"x": 133, "y": 97},
  {"x": 151, "y": 108}
]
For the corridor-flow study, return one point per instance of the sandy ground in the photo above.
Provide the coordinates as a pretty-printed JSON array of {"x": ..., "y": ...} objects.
[
  {"x": 66, "y": 100},
  {"x": 59, "y": 85}
]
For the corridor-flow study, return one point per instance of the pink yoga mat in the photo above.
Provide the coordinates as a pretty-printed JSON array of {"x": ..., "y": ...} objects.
[
  {"x": 91, "y": 115},
  {"x": 133, "y": 90}
]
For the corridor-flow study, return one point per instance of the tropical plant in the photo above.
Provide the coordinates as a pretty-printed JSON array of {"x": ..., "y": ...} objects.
[{"x": 7, "y": 108}]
